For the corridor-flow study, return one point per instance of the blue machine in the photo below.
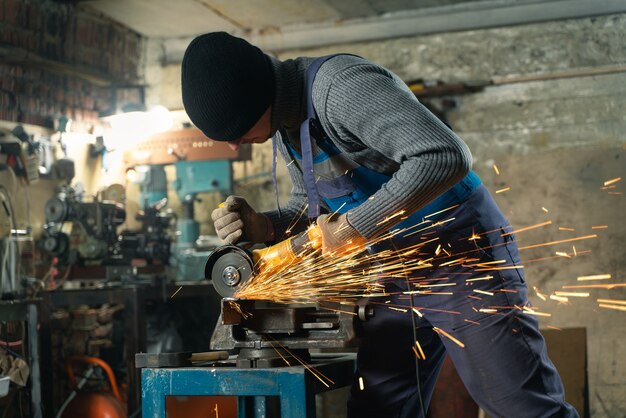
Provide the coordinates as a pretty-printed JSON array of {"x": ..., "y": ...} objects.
[
  {"x": 295, "y": 386},
  {"x": 192, "y": 177}
]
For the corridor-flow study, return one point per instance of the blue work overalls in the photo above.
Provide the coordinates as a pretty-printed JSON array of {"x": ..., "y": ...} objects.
[{"x": 499, "y": 352}]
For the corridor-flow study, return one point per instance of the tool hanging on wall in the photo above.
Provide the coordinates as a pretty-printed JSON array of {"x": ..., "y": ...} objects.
[{"x": 18, "y": 152}]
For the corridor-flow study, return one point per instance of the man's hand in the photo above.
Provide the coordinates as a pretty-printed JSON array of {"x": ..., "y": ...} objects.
[
  {"x": 338, "y": 235},
  {"x": 235, "y": 221}
]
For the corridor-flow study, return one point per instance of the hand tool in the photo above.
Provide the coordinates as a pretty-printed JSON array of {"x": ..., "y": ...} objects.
[{"x": 230, "y": 266}]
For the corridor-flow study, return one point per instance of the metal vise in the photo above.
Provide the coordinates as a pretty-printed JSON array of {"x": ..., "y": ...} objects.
[{"x": 268, "y": 335}]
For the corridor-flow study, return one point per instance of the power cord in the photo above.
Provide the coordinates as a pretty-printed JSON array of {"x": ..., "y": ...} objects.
[{"x": 417, "y": 367}]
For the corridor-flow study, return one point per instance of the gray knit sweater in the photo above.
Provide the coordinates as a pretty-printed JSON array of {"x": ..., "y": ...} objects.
[{"x": 371, "y": 115}]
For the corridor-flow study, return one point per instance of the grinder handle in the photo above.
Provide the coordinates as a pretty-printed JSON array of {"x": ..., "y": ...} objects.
[{"x": 286, "y": 251}]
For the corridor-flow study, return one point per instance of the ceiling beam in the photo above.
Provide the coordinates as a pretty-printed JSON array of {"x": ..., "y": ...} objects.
[{"x": 459, "y": 17}]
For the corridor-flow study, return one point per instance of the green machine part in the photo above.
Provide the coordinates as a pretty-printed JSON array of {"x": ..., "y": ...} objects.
[{"x": 193, "y": 177}]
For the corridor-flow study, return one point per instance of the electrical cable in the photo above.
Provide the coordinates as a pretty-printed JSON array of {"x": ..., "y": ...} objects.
[{"x": 417, "y": 367}]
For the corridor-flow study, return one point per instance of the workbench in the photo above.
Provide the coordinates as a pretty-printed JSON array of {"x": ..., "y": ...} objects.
[
  {"x": 295, "y": 386},
  {"x": 134, "y": 298}
]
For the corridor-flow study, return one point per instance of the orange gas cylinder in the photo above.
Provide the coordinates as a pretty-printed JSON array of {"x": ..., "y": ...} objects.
[{"x": 94, "y": 404}]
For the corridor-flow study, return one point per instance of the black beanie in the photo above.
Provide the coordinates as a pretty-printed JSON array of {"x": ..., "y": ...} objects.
[{"x": 227, "y": 85}]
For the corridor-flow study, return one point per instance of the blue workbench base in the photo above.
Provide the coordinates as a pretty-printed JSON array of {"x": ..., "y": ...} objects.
[{"x": 294, "y": 386}]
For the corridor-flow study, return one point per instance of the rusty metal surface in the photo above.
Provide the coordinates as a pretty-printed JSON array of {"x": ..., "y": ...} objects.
[{"x": 184, "y": 144}]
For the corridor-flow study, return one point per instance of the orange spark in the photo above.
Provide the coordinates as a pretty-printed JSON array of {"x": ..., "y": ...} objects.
[
  {"x": 447, "y": 263},
  {"x": 319, "y": 375},
  {"x": 388, "y": 218},
  {"x": 594, "y": 277},
  {"x": 474, "y": 237},
  {"x": 600, "y": 227},
  {"x": 572, "y": 294},
  {"x": 479, "y": 278},
  {"x": 595, "y": 286},
  {"x": 559, "y": 298},
  {"x": 558, "y": 242},
  {"x": 527, "y": 228},
  {"x": 445, "y": 334},
  {"x": 609, "y": 182},
  {"x": 495, "y": 168},
  {"x": 499, "y": 268},
  {"x": 472, "y": 322},
  {"x": 441, "y": 211},
  {"x": 490, "y": 262},
  {"x": 612, "y": 301},
  {"x": 531, "y": 311},
  {"x": 562, "y": 228},
  {"x": 616, "y": 307},
  {"x": 419, "y": 348}
]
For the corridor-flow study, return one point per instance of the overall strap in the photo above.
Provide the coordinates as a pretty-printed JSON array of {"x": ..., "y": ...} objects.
[
  {"x": 274, "y": 161},
  {"x": 305, "y": 139}
]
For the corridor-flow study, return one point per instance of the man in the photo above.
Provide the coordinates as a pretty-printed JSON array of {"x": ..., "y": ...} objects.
[{"x": 369, "y": 151}]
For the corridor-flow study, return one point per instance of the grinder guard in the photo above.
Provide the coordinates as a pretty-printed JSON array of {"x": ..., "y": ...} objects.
[{"x": 229, "y": 267}]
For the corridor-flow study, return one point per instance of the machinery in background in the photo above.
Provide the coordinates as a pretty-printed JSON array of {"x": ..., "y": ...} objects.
[
  {"x": 78, "y": 231},
  {"x": 84, "y": 234},
  {"x": 84, "y": 238},
  {"x": 152, "y": 243},
  {"x": 202, "y": 166}
]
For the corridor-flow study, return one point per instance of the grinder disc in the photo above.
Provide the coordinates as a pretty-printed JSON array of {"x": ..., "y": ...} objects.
[{"x": 229, "y": 267}]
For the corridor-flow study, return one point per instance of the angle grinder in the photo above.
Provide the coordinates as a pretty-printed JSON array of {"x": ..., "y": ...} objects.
[{"x": 231, "y": 266}]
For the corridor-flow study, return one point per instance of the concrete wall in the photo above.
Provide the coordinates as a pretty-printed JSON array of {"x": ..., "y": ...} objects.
[{"x": 555, "y": 141}]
